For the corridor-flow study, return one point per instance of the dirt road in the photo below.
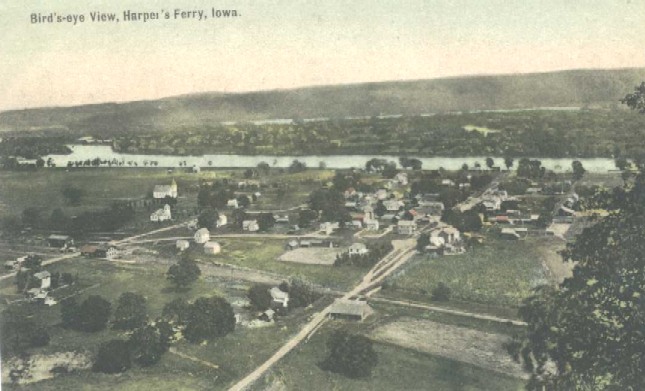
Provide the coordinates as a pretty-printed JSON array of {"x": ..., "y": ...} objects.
[{"x": 391, "y": 262}]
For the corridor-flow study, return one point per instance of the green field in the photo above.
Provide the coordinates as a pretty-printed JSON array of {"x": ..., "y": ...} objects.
[
  {"x": 101, "y": 186},
  {"x": 397, "y": 369},
  {"x": 236, "y": 353},
  {"x": 499, "y": 273},
  {"x": 262, "y": 254}
]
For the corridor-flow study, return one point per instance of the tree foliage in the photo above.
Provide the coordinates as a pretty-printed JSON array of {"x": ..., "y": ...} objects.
[
  {"x": 113, "y": 357},
  {"x": 73, "y": 195},
  {"x": 259, "y": 296},
  {"x": 350, "y": 355},
  {"x": 91, "y": 315},
  {"x": 301, "y": 293},
  {"x": 207, "y": 218},
  {"x": 19, "y": 332},
  {"x": 209, "y": 318},
  {"x": 176, "y": 310},
  {"x": 578, "y": 170},
  {"x": 591, "y": 328},
  {"x": 183, "y": 273},
  {"x": 148, "y": 344},
  {"x": 131, "y": 311}
]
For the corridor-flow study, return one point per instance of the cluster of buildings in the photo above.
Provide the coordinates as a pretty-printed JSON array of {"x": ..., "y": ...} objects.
[
  {"x": 392, "y": 207},
  {"x": 201, "y": 237},
  {"x": 444, "y": 240}
]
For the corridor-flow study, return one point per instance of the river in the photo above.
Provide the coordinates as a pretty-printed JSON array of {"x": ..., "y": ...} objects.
[{"x": 103, "y": 152}]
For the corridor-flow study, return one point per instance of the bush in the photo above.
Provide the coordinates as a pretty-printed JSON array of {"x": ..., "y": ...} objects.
[
  {"x": 441, "y": 292},
  {"x": 113, "y": 357},
  {"x": 260, "y": 297}
]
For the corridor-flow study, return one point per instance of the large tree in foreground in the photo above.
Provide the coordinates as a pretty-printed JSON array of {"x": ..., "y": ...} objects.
[
  {"x": 183, "y": 273},
  {"x": 589, "y": 334},
  {"x": 209, "y": 317},
  {"x": 350, "y": 355}
]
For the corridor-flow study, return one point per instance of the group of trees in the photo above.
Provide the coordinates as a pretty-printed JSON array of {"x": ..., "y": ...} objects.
[
  {"x": 215, "y": 196},
  {"x": 145, "y": 346},
  {"x": 530, "y": 168},
  {"x": 297, "y": 166},
  {"x": 330, "y": 203},
  {"x": 19, "y": 332},
  {"x": 91, "y": 315},
  {"x": 588, "y": 332},
  {"x": 468, "y": 221},
  {"x": 205, "y": 318}
]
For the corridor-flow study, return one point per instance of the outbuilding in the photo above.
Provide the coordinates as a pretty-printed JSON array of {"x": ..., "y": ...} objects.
[{"x": 212, "y": 248}]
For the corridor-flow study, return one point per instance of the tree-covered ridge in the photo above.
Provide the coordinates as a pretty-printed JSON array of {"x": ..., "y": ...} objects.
[{"x": 592, "y": 133}]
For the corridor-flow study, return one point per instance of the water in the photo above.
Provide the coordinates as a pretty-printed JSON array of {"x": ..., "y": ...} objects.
[{"x": 85, "y": 152}]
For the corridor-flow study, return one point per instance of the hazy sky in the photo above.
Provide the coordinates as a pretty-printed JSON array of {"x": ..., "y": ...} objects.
[{"x": 283, "y": 44}]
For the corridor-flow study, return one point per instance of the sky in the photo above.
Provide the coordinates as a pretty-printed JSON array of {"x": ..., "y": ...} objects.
[{"x": 287, "y": 43}]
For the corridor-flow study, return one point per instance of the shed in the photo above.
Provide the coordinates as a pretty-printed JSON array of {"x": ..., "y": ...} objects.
[
  {"x": 59, "y": 241},
  {"x": 202, "y": 236},
  {"x": 212, "y": 248},
  {"x": 182, "y": 244},
  {"x": 349, "y": 309}
]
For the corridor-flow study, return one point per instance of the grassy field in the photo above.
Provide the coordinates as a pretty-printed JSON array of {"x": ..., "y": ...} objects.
[
  {"x": 43, "y": 188},
  {"x": 397, "y": 369},
  {"x": 262, "y": 254},
  {"x": 236, "y": 353},
  {"x": 500, "y": 273}
]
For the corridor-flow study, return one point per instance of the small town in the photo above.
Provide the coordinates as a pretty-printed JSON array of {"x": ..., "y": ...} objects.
[
  {"x": 348, "y": 196},
  {"x": 286, "y": 256}
]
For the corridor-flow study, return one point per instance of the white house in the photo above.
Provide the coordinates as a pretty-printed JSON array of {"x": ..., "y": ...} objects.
[
  {"x": 381, "y": 194},
  {"x": 447, "y": 182},
  {"x": 406, "y": 227},
  {"x": 393, "y": 205},
  {"x": 368, "y": 212},
  {"x": 328, "y": 227},
  {"x": 250, "y": 225},
  {"x": 371, "y": 224},
  {"x": 202, "y": 236},
  {"x": 222, "y": 220},
  {"x": 44, "y": 278},
  {"x": 402, "y": 178},
  {"x": 357, "y": 224},
  {"x": 162, "y": 214},
  {"x": 449, "y": 234},
  {"x": 212, "y": 248},
  {"x": 111, "y": 251},
  {"x": 182, "y": 245},
  {"x": 163, "y": 191},
  {"x": 279, "y": 298},
  {"x": 358, "y": 249},
  {"x": 232, "y": 203}
]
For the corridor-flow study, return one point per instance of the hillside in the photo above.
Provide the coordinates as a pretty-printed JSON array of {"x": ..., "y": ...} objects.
[{"x": 594, "y": 88}]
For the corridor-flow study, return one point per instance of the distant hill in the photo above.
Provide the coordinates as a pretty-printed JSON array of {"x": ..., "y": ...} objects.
[{"x": 586, "y": 88}]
